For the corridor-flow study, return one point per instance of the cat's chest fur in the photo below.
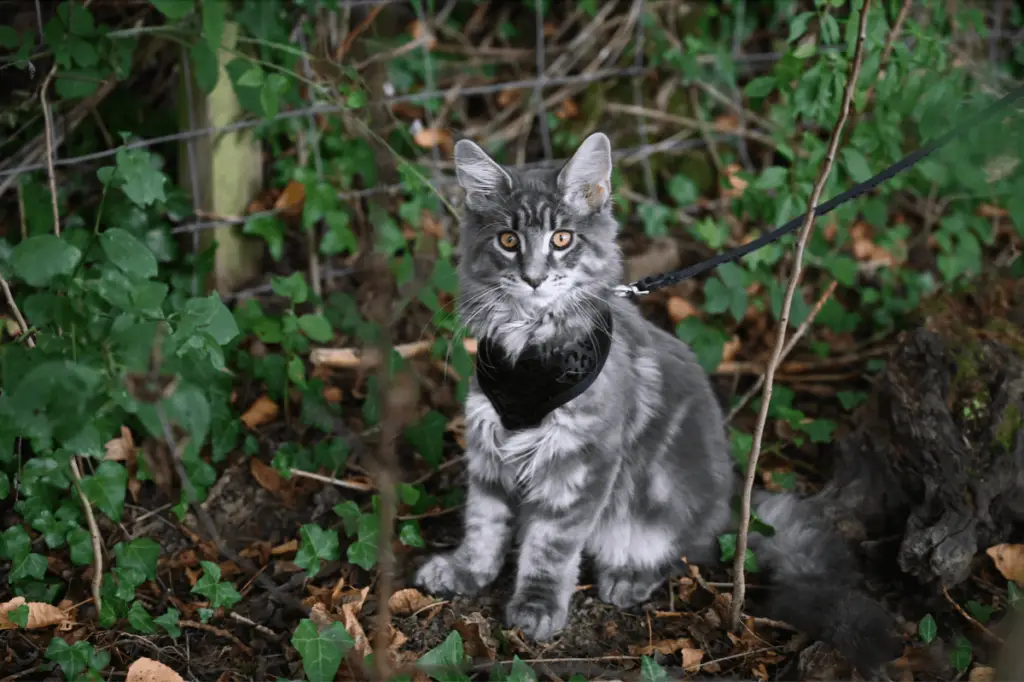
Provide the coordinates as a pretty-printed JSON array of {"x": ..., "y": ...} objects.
[{"x": 542, "y": 462}]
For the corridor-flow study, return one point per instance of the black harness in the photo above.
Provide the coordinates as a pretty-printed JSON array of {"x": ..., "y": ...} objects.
[{"x": 542, "y": 379}]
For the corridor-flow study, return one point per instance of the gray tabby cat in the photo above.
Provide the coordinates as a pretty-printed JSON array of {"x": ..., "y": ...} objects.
[{"x": 635, "y": 473}]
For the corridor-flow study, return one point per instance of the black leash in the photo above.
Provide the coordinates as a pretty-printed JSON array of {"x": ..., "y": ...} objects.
[{"x": 648, "y": 284}]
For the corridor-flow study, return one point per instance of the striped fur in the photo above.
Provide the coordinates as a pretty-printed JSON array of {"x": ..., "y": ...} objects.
[{"x": 635, "y": 473}]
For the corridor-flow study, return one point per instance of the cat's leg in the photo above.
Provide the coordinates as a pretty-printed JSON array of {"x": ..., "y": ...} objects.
[
  {"x": 556, "y": 522},
  {"x": 475, "y": 563},
  {"x": 628, "y": 586},
  {"x": 633, "y": 557}
]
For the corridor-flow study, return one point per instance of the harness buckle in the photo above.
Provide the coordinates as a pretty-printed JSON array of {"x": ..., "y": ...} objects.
[{"x": 625, "y": 290}]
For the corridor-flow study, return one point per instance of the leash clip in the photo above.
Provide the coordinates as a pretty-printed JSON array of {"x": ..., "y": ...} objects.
[{"x": 626, "y": 290}]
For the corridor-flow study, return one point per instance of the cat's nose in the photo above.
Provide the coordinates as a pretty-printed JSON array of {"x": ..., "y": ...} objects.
[{"x": 534, "y": 281}]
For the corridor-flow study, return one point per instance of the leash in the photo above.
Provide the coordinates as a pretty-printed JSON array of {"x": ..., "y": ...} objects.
[{"x": 648, "y": 284}]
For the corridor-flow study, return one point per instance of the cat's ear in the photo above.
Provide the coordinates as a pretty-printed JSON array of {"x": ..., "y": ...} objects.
[
  {"x": 478, "y": 174},
  {"x": 586, "y": 180}
]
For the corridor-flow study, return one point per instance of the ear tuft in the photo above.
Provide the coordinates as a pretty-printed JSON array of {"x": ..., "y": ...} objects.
[
  {"x": 586, "y": 179},
  {"x": 477, "y": 173}
]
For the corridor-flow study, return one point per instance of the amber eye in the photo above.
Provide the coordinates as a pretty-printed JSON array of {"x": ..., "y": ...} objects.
[
  {"x": 508, "y": 240},
  {"x": 561, "y": 239}
]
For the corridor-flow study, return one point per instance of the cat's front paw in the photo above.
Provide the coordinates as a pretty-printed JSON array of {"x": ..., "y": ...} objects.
[
  {"x": 538, "y": 616},
  {"x": 445, "y": 574},
  {"x": 628, "y": 589}
]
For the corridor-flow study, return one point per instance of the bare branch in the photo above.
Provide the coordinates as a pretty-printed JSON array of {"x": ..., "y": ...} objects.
[{"x": 739, "y": 587}]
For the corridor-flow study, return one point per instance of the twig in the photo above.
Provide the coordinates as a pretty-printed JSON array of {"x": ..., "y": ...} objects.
[
  {"x": 974, "y": 621},
  {"x": 17, "y": 312},
  {"x": 355, "y": 358},
  {"x": 365, "y": 24},
  {"x": 217, "y": 631},
  {"x": 251, "y": 623},
  {"x": 739, "y": 588},
  {"x": 790, "y": 345},
  {"x": 48, "y": 129},
  {"x": 94, "y": 533},
  {"x": 890, "y": 42},
  {"x": 349, "y": 485}
]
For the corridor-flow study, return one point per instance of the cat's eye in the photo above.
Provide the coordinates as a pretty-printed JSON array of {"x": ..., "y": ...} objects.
[
  {"x": 561, "y": 239},
  {"x": 508, "y": 241}
]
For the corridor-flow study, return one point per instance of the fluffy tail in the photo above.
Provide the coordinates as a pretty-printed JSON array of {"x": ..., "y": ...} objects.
[{"x": 815, "y": 583}]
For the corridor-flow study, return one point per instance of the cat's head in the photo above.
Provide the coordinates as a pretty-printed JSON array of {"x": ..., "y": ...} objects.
[{"x": 536, "y": 242}]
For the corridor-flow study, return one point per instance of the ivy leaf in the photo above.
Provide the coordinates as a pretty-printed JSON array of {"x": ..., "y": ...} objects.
[
  {"x": 72, "y": 658},
  {"x": 128, "y": 253},
  {"x": 961, "y": 654},
  {"x": 410, "y": 534},
  {"x": 173, "y": 9},
  {"x": 727, "y": 543},
  {"x": 139, "y": 618},
  {"x": 210, "y": 586},
  {"x": 169, "y": 622},
  {"x": 106, "y": 488},
  {"x": 19, "y": 616},
  {"x": 323, "y": 651},
  {"x": 207, "y": 71},
  {"x": 349, "y": 513},
  {"x": 316, "y": 327},
  {"x": 29, "y": 566},
  {"x": 211, "y": 316},
  {"x": 520, "y": 672},
  {"x": 293, "y": 286},
  {"x": 650, "y": 671},
  {"x": 445, "y": 662},
  {"x": 39, "y": 259},
  {"x": 271, "y": 229},
  {"x": 317, "y": 544},
  {"x": 80, "y": 544},
  {"x": 427, "y": 436},
  {"x": 141, "y": 555}
]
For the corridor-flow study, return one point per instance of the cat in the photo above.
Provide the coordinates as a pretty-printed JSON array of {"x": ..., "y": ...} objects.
[{"x": 634, "y": 471}]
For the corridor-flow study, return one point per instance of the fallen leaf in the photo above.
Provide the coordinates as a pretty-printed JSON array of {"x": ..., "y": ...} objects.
[
  {"x": 687, "y": 586},
  {"x": 40, "y": 615},
  {"x": 679, "y": 309},
  {"x": 121, "y": 449},
  {"x": 428, "y": 138},
  {"x": 727, "y": 123},
  {"x": 407, "y": 601},
  {"x": 292, "y": 198},
  {"x": 990, "y": 211},
  {"x": 350, "y": 619},
  {"x": 1009, "y": 560},
  {"x": 286, "y": 547},
  {"x": 567, "y": 109},
  {"x": 982, "y": 673},
  {"x": 507, "y": 98},
  {"x": 730, "y": 349},
  {"x": 431, "y": 225},
  {"x": 148, "y": 670},
  {"x": 333, "y": 394},
  {"x": 418, "y": 30},
  {"x": 684, "y": 645},
  {"x": 736, "y": 183},
  {"x": 476, "y": 636},
  {"x": 262, "y": 411},
  {"x": 266, "y": 475}
]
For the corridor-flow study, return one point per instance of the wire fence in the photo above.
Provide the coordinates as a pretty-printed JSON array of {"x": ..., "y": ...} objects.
[{"x": 601, "y": 70}]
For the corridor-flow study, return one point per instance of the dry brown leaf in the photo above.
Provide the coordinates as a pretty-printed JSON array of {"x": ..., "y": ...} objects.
[
  {"x": 982, "y": 673},
  {"x": 679, "y": 309},
  {"x": 730, "y": 349},
  {"x": 40, "y": 615},
  {"x": 266, "y": 475},
  {"x": 990, "y": 211},
  {"x": 286, "y": 547},
  {"x": 507, "y": 98},
  {"x": 261, "y": 412},
  {"x": 687, "y": 586},
  {"x": 431, "y": 225},
  {"x": 567, "y": 109},
  {"x": 1009, "y": 560},
  {"x": 319, "y": 615},
  {"x": 121, "y": 449},
  {"x": 736, "y": 183},
  {"x": 417, "y": 30},
  {"x": 350, "y": 619},
  {"x": 407, "y": 601},
  {"x": 429, "y": 138},
  {"x": 148, "y": 670},
  {"x": 684, "y": 645},
  {"x": 476, "y": 636},
  {"x": 292, "y": 198}
]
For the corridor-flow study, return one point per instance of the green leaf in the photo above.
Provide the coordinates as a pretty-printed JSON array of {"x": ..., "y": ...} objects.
[
  {"x": 8, "y": 38},
  {"x": 772, "y": 177},
  {"x": 317, "y": 544},
  {"x": 362, "y": 554},
  {"x": 427, "y": 436},
  {"x": 106, "y": 488},
  {"x": 213, "y": 21},
  {"x": 141, "y": 181},
  {"x": 139, "y": 618},
  {"x": 445, "y": 662},
  {"x": 927, "y": 628},
  {"x": 856, "y": 165},
  {"x": 270, "y": 94},
  {"x": 19, "y": 616},
  {"x": 981, "y": 612},
  {"x": 316, "y": 327},
  {"x": 323, "y": 651},
  {"x": 207, "y": 70},
  {"x": 39, "y": 259},
  {"x": 683, "y": 190},
  {"x": 520, "y": 672},
  {"x": 169, "y": 622},
  {"x": 727, "y": 543},
  {"x": 80, "y": 545},
  {"x": 210, "y": 586},
  {"x": 29, "y": 566},
  {"x": 210, "y": 316},
  {"x": 410, "y": 536},
  {"x": 141, "y": 555},
  {"x": 293, "y": 286},
  {"x": 128, "y": 253},
  {"x": 72, "y": 659},
  {"x": 253, "y": 78},
  {"x": 760, "y": 87},
  {"x": 349, "y": 513},
  {"x": 650, "y": 671},
  {"x": 173, "y": 9},
  {"x": 271, "y": 229},
  {"x": 961, "y": 654}
]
